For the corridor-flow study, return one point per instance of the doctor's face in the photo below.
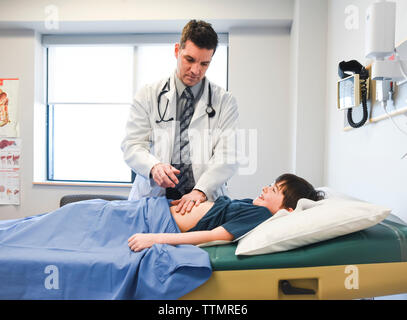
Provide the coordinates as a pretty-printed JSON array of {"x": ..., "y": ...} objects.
[
  {"x": 192, "y": 62},
  {"x": 272, "y": 198}
]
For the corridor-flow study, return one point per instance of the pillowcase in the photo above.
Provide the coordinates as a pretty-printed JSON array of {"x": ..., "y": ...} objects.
[{"x": 310, "y": 222}]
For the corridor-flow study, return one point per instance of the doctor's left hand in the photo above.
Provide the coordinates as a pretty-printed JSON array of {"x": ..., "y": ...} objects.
[{"x": 189, "y": 200}]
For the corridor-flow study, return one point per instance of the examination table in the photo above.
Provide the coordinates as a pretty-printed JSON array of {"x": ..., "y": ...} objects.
[
  {"x": 367, "y": 263},
  {"x": 363, "y": 264}
]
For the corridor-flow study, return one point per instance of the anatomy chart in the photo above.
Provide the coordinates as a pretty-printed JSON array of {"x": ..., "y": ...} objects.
[
  {"x": 8, "y": 107},
  {"x": 10, "y": 170}
]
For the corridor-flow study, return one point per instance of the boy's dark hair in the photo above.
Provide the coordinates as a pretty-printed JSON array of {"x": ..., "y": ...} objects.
[
  {"x": 201, "y": 34},
  {"x": 294, "y": 188}
]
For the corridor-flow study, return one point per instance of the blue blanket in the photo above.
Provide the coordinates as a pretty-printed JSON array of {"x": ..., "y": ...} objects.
[{"x": 80, "y": 251}]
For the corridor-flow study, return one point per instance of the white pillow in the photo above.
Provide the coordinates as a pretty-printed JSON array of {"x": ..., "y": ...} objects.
[{"x": 311, "y": 222}]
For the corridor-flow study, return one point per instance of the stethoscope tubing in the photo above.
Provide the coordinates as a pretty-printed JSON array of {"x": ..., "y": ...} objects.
[{"x": 209, "y": 109}]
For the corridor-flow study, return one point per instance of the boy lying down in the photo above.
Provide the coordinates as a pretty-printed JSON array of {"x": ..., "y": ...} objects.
[{"x": 227, "y": 219}]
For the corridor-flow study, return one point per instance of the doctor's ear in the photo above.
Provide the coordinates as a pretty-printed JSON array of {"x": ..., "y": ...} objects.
[{"x": 176, "y": 51}]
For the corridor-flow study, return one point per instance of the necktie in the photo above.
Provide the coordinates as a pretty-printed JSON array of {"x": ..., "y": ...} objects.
[{"x": 183, "y": 162}]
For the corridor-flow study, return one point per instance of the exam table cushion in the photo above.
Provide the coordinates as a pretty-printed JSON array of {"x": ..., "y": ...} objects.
[
  {"x": 385, "y": 242},
  {"x": 69, "y": 198},
  {"x": 310, "y": 222}
]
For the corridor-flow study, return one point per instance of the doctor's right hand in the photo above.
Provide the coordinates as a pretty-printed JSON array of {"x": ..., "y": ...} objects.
[{"x": 164, "y": 175}]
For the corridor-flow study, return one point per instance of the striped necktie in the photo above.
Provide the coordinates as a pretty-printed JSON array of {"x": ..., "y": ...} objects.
[{"x": 183, "y": 162}]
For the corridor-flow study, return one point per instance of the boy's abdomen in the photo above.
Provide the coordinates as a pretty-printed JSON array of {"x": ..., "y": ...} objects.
[{"x": 189, "y": 220}]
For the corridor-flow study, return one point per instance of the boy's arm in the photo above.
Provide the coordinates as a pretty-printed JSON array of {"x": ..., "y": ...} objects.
[{"x": 140, "y": 241}]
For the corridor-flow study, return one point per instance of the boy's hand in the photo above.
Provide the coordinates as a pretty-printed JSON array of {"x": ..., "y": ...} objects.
[{"x": 140, "y": 241}]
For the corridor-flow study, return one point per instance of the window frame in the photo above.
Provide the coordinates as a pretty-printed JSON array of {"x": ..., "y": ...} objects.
[{"x": 49, "y": 158}]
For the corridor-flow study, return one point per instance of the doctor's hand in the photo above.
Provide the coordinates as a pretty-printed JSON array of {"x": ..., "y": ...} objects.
[
  {"x": 189, "y": 200},
  {"x": 164, "y": 175}
]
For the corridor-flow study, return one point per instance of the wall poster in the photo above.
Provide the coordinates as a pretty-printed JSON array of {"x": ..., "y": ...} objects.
[
  {"x": 10, "y": 145},
  {"x": 10, "y": 171},
  {"x": 8, "y": 107}
]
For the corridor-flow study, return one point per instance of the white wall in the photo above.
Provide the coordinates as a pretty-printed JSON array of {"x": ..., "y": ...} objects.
[
  {"x": 278, "y": 77},
  {"x": 308, "y": 89},
  {"x": 363, "y": 162},
  {"x": 110, "y": 10},
  {"x": 258, "y": 78},
  {"x": 140, "y": 15}
]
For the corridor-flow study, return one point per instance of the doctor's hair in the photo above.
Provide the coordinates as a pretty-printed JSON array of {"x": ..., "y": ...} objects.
[
  {"x": 201, "y": 34},
  {"x": 294, "y": 188}
]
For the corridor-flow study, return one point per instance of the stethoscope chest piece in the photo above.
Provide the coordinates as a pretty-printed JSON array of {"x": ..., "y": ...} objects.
[{"x": 210, "y": 111}]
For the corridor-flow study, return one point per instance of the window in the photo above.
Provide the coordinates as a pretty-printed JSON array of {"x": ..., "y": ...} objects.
[{"x": 89, "y": 92}]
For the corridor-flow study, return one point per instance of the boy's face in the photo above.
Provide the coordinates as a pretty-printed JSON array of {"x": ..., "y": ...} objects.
[{"x": 272, "y": 198}]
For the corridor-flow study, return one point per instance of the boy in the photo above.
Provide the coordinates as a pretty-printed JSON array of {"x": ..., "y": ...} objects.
[{"x": 227, "y": 219}]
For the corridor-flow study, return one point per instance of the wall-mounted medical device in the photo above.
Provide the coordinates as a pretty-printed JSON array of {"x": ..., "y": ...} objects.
[
  {"x": 353, "y": 89},
  {"x": 379, "y": 45},
  {"x": 389, "y": 64},
  {"x": 348, "y": 92}
]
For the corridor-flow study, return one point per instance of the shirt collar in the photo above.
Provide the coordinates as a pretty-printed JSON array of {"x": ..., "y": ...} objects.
[{"x": 180, "y": 86}]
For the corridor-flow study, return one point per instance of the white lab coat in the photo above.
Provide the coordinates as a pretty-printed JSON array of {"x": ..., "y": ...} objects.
[{"x": 212, "y": 141}]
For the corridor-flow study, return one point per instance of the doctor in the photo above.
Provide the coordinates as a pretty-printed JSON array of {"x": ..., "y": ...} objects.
[{"x": 181, "y": 132}]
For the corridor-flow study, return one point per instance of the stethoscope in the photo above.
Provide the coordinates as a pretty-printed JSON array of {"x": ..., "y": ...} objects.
[{"x": 209, "y": 109}]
